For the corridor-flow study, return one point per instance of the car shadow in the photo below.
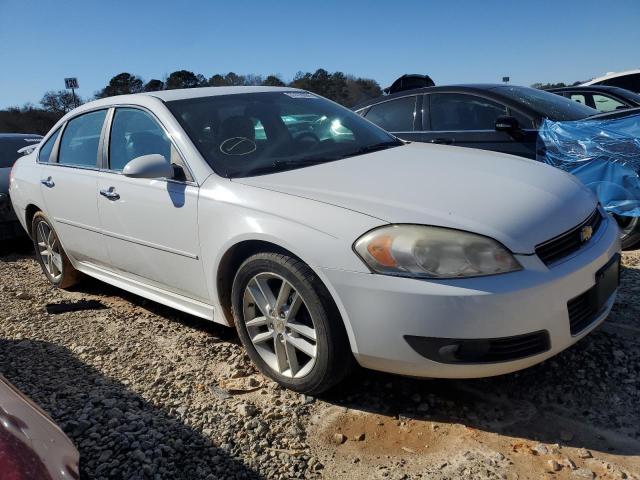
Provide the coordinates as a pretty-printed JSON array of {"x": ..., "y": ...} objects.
[
  {"x": 16, "y": 246},
  {"x": 118, "y": 433}
]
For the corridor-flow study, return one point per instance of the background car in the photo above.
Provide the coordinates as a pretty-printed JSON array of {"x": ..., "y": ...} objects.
[
  {"x": 322, "y": 238},
  {"x": 629, "y": 80},
  {"x": 602, "y": 98},
  {"x": 10, "y": 143},
  {"x": 502, "y": 118},
  {"x": 32, "y": 446}
]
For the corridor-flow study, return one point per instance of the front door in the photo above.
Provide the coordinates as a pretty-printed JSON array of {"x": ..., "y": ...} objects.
[
  {"x": 150, "y": 225},
  {"x": 69, "y": 180},
  {"x": 467, "y": 120}
]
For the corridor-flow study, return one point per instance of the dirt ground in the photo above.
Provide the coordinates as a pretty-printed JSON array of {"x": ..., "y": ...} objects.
[{"x": 171, "y": 376}]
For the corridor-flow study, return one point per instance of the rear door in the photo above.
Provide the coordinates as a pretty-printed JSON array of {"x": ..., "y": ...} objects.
[
  {"x": 69, "y": 180},
  {"x": 467, "y": 120},
  {"x": 399, "y": 116},
  {"x": 150, "y": 225}
]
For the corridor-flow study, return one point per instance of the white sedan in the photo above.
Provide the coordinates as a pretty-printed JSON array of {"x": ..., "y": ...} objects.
[{"x": 319, "y": 236}]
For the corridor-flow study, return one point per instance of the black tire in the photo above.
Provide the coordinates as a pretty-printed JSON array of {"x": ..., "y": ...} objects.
[
  {"x": 333, "y": 360},
  {"x": 629, "y": 231},
  {"x": 68, "y": 275}
]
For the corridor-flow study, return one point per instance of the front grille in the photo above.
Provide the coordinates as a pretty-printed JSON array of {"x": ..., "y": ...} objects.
[
  {"x": 569, "y": 242},
  {"x": 482, "y": 350}
]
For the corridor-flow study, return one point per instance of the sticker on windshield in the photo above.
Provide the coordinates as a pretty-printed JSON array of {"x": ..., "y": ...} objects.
[{"x": 300, "y": 95}]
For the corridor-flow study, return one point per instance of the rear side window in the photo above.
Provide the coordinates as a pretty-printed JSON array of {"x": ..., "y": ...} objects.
[
  {"x": 456, "y": 111},
  {"x": 578, "y": 97},
  {"x": 80, "y": 139},
  {"x": 604, "y": 103},
  {"x": 394, "y": 115},
  {"x": 45, "y": 151}
]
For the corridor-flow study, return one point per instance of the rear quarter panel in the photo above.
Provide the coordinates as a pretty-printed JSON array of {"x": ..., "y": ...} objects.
[{"x": 25, "y": 187}]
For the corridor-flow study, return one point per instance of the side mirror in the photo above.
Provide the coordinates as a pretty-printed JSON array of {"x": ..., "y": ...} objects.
[
  {"x": 148, "y": 166},
  {"x": 505, "y": 123}
]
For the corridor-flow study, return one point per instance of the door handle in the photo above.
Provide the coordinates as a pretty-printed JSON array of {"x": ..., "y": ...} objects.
[
  {"x": 48, "y": 182},
  {"x": 110, "y": 193},
  {"x": 442, "y": 141}
]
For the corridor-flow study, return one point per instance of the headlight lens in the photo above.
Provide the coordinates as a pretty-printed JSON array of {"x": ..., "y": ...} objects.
[{"x": 433, "y": 252}]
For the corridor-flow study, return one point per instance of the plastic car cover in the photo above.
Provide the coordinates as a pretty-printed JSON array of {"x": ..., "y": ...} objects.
[{"x": 603, "y": 154}]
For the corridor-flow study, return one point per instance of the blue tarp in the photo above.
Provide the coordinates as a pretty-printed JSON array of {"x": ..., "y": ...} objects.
[{"x": 603, "y": 154}]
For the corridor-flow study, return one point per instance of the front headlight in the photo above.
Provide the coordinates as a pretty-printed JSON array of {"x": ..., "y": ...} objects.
[{"x": 433, "y": 252}]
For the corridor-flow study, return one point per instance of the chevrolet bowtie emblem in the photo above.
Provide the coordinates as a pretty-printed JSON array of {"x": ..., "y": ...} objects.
[{"x": 586, "y": 233}]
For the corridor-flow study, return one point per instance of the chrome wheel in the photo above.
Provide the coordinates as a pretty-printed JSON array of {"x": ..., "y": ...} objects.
[
  {"x": 49, "y": 250},
  {"x": 280, "y": 325}
]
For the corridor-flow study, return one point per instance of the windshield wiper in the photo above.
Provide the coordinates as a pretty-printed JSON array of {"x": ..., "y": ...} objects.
[
  {"x": 377, "y": 146},
  {"x": 328, "y": 158}
]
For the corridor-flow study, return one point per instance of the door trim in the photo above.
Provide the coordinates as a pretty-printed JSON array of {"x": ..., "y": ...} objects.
[{"x": 127, "y": 239}]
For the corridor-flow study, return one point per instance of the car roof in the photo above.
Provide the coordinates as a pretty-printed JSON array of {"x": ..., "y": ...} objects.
[
  {"x": 187, "y": 93},
  {"x": 612, "y": 75}
]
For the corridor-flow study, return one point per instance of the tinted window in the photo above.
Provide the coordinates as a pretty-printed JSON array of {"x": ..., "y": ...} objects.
[
  {"x": 135, "y": 133},
  {"x": 552, "y": 106},
  {"x": 629, "y": 82},
  {"x": 9, "y": 147},
  {"x": 45, "y": 150},
  {"x": 255, "y": 133},
  {"x": 80, "y": 139},
  {"x": 456, "y": 111},
  {"x": 394, "y": 115},
  {"x": 605, "y": 103},
  {"x": 578, "y": 97},
  {"x": 523, "y": 120}
]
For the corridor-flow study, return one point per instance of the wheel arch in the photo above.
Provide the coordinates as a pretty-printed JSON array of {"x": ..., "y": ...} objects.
[
  {"x": 239, "y": 252},
  {"x": 29, "y": 213},
  {"x": 231, "y": 261}
]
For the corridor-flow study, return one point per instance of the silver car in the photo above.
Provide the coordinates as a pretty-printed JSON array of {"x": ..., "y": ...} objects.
[{"x": 323, "y": 239}]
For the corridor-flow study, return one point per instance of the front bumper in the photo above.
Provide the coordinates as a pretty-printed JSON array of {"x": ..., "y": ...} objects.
[{"x": 380, "y": 311}]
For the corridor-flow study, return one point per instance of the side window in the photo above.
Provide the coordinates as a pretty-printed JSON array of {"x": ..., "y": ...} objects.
[
  {"x": 523, "y": 120},
  {"x": 45, "y": 150},
  {"x": 605, "y": 103},
  {"x": 394, "y": 115},
  {"x": 135, "y": 133},
  {"x": 578, "y": 97},
  {"x": 455, "y": 111},
  {"x": 80, "y": 139}
]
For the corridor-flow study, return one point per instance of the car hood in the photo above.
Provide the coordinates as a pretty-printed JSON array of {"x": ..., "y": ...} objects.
[{"x": 516, "y": 201}]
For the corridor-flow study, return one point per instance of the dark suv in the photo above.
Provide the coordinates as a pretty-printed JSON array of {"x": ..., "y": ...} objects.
[{"x": 10, "y": 143}]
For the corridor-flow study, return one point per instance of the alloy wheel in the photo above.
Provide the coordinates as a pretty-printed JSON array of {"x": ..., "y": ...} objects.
[
  {"x": 49, "y": 250},
  {"x": 280, "y": 325}
]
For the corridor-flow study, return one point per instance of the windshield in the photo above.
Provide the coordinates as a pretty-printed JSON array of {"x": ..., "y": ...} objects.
[
  {"x": 549, "y": 105},
  {"x": 249, "y": 134}
]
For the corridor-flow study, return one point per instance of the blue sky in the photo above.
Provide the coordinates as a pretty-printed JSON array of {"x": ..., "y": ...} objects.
[{"x": 453, "y": 41}]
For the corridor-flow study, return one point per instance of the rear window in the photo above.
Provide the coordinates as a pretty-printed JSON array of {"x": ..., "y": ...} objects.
[
  {"x": 9, "y": 149},
  {"x": 549, "y": 105}
]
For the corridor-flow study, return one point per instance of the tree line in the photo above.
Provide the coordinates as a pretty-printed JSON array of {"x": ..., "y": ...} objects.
[{"x": 345, "y": 89}]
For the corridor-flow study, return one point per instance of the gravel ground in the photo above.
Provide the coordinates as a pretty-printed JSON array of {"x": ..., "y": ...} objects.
[{"x": 146, "y": 392}]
